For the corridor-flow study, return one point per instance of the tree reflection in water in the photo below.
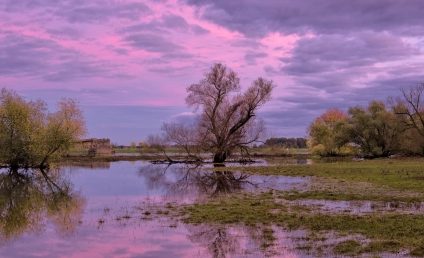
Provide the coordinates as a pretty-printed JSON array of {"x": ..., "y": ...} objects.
[
  {"x": 30, "y": 198},
  {"x": 192, "y": 180},
  {"x": 219, "y": 240},
  {"x": 216, "y": 238},
  {"x": 226, "y": 241}
]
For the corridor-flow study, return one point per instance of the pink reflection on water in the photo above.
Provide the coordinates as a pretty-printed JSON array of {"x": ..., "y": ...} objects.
[
  {"x": 120, "y": 219},
  {"x": 147, "y": 238}
]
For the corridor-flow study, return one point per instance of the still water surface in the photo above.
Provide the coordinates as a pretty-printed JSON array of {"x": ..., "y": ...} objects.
[{"x": 107, "y": 210}]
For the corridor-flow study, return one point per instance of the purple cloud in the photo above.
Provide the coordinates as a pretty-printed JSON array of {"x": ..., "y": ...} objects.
[
  {"x": 138, "y": 58},
  {"x": 257, "y": 18}
]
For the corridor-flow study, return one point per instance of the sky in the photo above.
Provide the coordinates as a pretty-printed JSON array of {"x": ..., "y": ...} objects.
[{"x": 128, "y": 63}]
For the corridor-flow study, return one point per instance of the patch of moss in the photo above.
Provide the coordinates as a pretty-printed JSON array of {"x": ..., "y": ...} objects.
[{"x": 348, "y": 247}]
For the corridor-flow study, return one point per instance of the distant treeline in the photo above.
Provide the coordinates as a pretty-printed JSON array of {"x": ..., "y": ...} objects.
[
  {"x": 287, "y": 142},
  {"x": 377, "y": 130}
]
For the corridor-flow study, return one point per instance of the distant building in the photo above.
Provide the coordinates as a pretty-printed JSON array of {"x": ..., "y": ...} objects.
[{"x": 94, "y": 147}]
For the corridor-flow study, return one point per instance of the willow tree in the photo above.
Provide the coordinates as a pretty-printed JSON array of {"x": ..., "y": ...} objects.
[
  {"x": 30, "y": 136},
  {"x": 375, "y": 129},
  {"x": 227, "y": 118}
]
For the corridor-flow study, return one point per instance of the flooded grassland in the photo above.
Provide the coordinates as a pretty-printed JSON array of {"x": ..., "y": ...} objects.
[{"x": 280, "y": 208}]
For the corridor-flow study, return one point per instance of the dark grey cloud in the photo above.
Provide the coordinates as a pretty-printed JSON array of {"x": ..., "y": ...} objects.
[
  {"x": 151, "y": 36},
  {"x": 199, "y": 30},
  {"x": 79, "y": 69},
  {"x": 78, "y": 11},
  {"x": 65, "y": 32},
  {"x": 392, "y": 85},
  {"x": 251, "y": 56},
  {"x": 168, "y": 70},
  {"x": 99, "y": 11},
  {"x": 247, "y": 42},
  {"x": 165, "y": 24},
  {"x": 340, "y": 63},
  {"x": 257, "y": 17},
  {"x": 326, "y": 53},
  {"x": 152, "y": 42},
  {"x": 39, "y": 58},
  {"x": 22, "y": 55},
  {"x": 174, "y": 21},
  {"x": 295, "y": 112}
]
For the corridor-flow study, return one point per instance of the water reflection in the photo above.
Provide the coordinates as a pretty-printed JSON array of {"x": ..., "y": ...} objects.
[
  {"x": 183, "y": 184},
  {"x": 88, "y": 164},
  {"x": 195, "y": 180},
  {"x": 218, "y": 241},
  {"x": 362, "y": 207},
  {"x": 65, "y": 210},
  {"x": 233, "y": 241},
  {"x": 29, "y": 198}
]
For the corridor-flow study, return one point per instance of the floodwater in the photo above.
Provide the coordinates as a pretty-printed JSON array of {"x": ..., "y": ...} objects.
[
  {"x": 361, "y": 207},
  {"x": 110, "y": 210}
]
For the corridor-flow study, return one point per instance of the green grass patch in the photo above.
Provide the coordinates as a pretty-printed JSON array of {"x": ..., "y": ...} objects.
[
  {"x": 347, "y": 196},
  {"x": 253, "y": 210},
  {"x": 382, "y": 246},
  {"x": 398, "y": 174},
  {"x": 349, "y": 247}
]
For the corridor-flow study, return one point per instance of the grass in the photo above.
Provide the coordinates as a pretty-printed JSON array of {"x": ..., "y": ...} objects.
[
  {"x": 397, "y": 174},
  {"x": 407, "y": 231},
  {"x": 276, "y": 151},
  {"x": 127, "y": 150},
  {"x": 371, "y": 180},
  {"x": 348, "y": 247},
  {"x": 347, "y": 196}
]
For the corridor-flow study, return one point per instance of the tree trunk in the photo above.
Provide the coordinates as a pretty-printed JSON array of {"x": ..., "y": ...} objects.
[{"x": 220, "y": 157}]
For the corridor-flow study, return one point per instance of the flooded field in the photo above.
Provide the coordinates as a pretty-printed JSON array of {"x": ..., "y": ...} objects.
[
  {"x": 112, "y": 211},
  {"x": 133, "y": 209}
]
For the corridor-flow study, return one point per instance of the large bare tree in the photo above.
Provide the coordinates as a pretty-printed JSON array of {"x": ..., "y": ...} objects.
[
  {"x": 411, "y": 108},
  {"x": 227, "y": 116}
]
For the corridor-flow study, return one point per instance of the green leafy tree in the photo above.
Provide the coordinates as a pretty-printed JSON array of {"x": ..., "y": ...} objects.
[
  {"x": 375, "y": 129},
  {"x": 327, "y": 133},
  {"x": 30, "y": 136}
]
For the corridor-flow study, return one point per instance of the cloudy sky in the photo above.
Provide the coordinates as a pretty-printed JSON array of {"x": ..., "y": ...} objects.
[{"x": 129, "y": 62}]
